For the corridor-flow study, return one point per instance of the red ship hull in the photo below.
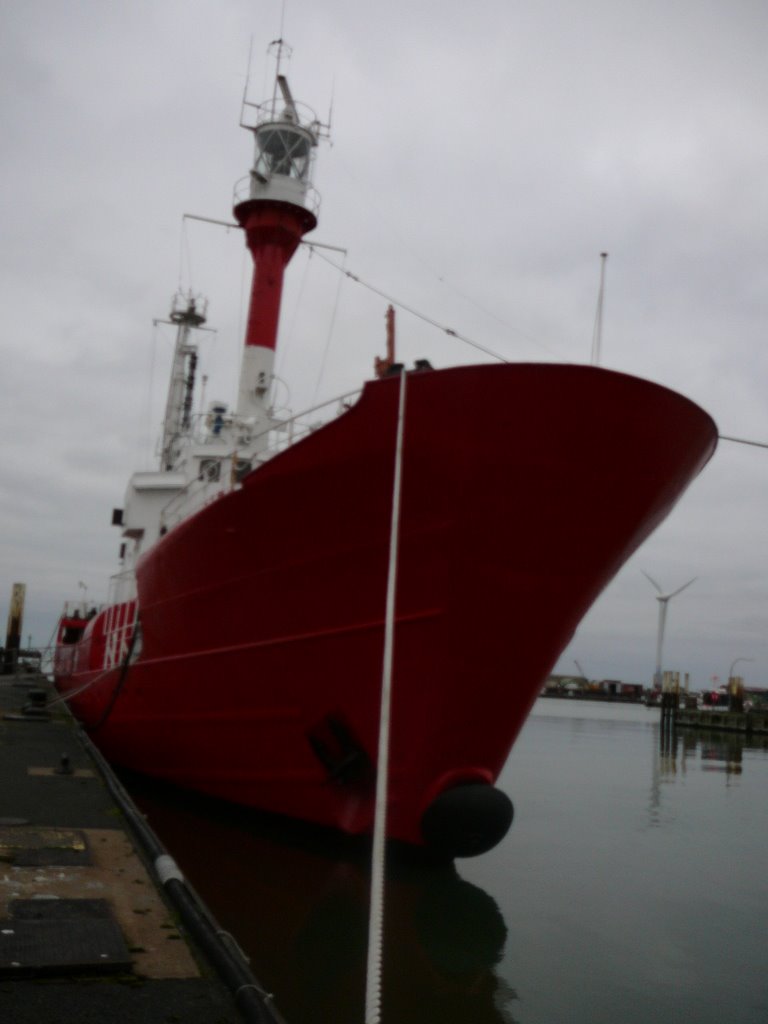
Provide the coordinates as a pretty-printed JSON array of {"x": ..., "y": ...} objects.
[{"x": 525, "y": 488}]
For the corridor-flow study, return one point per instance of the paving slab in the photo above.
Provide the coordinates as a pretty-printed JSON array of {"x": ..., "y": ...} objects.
[{"x": 87, "y": 932}]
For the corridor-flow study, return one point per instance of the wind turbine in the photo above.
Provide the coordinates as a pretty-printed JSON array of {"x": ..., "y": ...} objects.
[{"x": 663, "y": 600}]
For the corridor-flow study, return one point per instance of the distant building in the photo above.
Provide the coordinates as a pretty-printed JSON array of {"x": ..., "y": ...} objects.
[
  {"x": 616, "y": 688},
  {"x": 603, "y": 689}
]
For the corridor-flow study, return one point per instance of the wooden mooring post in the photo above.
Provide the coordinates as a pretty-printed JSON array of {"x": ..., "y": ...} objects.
[
  {"x": 10, "y": 653},
  {"x": 736, "y": 694},
  {"x": 670, "y": 700}
]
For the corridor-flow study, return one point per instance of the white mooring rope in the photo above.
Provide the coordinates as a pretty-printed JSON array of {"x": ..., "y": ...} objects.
[{"x": 376, "y": 912}]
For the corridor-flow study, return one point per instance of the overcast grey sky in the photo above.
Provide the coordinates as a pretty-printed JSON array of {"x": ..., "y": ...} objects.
[{"x": 483, "y": 156}]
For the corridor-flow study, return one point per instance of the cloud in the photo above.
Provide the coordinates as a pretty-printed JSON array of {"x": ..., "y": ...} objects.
[{"x": 482, "y": 158}]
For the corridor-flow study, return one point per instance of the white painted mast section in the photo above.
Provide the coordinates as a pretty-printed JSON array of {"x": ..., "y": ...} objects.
[
  {"x": 253, "y": 395},
  {"x": 378, "y": 863}
]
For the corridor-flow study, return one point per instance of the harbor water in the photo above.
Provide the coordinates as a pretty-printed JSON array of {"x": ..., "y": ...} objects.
[{"x": 632, "y": 886}]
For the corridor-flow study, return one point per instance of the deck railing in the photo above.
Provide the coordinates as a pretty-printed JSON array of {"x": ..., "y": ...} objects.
[{"x": 227, "y": 471}]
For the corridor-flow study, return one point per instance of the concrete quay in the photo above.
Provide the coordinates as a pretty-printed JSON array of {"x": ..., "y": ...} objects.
[{"x": 96, "y": 921}]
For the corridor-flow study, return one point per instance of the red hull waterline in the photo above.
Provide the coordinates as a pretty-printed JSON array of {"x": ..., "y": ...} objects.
[{"x": 525, "y": 488}]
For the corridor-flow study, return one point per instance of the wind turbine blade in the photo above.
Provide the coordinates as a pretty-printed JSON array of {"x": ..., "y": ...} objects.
[
  {"x": 651, "y": 580},
  {"x": 681, "y": 589}
]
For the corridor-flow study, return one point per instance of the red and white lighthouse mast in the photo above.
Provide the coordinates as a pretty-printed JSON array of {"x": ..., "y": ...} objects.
[{"x": 275, "y": 205}]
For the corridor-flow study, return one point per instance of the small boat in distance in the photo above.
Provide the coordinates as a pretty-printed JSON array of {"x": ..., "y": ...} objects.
[{"x": 240, "y": 653}]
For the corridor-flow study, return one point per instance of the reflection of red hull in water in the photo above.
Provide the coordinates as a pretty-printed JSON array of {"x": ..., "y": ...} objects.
[
  {"x": 444, "y": 936},
  {"x": 525, "y": 488}
]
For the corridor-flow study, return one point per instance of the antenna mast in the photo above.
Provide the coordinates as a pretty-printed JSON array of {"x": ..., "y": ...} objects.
[
  {"x": 382, "y": 366},
  {"x": 597, "y": 336},
  {"x": 186, "y": 314}
]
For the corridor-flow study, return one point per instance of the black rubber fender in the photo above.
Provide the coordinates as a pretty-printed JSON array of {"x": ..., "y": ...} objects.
[{"x": 467, "y": 820}]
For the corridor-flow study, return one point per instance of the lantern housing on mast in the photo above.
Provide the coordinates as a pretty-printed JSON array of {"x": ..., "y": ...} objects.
[{"x": 286, "y": 134}]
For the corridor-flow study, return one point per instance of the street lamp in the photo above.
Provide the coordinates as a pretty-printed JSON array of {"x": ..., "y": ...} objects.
[
  {"x": 663, "y": 600},
  {"x": 735, "y": 662}
]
